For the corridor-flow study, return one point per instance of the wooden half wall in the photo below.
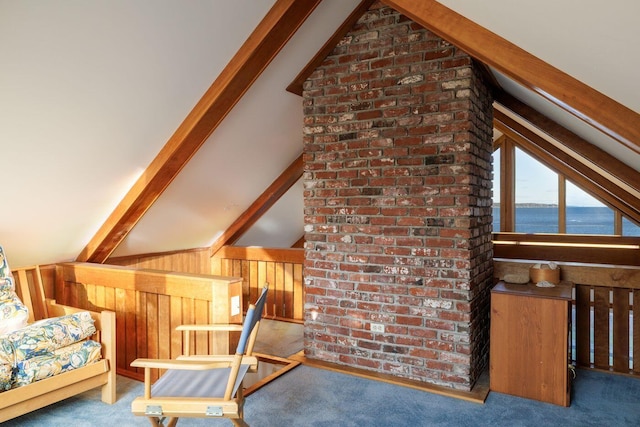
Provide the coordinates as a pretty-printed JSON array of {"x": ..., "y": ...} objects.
[
  {"x": 150, "y": 304},
  {"x": 605, "y": 298},
  {"x": 281, "y": 268}
]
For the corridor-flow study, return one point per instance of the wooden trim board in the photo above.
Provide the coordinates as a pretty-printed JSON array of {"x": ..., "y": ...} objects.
[{"x": 477, "y": 395}]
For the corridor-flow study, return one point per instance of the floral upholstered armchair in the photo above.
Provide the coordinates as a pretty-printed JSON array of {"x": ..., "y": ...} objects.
[
  {"x": 68, "y": 346},
  {"x": 13, "y": 313}
]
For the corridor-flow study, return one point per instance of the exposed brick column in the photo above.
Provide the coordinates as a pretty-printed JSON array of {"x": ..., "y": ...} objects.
[{"x": 398, "y": 142}]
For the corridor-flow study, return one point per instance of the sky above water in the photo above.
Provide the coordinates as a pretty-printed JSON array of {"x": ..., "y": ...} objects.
[{"x": 536, "y": 183}]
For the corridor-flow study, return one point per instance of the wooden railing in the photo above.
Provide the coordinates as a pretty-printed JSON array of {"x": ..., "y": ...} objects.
[
  {"x": 281, "y": 268},
  {"x": 149, "y": 304},
  {"x": 605, "y": 298},
  {"x": 615, "y": 250}
]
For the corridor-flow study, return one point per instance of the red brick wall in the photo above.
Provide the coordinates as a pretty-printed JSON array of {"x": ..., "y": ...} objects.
[{"x": 397, "y": 149}]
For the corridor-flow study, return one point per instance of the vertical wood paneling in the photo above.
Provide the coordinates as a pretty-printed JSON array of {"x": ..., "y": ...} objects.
[
  {"x": 74, "y": 300},
  {"x": 131, "y": 324},
  {"x": 237, "y": 268},
  {"x": 188, "y": 318},
  {"x": 281, "y": 268},
  {"x": 110, "y": 299},
  {"x": 621, "y": 330},
  {"x": 201, "y": 317},
  {"x": 149, "y": 305},
  {"x": 636, "y": 331},
  {"x": 164, "y": 327},
  {"x": 298, "y": 292},
  {"x": 100, "y": 296},
  {"x": 89, "y": 294},
  {"x": 583, "y": 325},
  {"x": 176, "y": 320},
  {"x": 253, "y": 282},
  {"x": 269, "y": 277},
  {"x": 262, "y": 277},
  {"x": 278, "y": 281},
  {"x": 121, "y": 328},
  {"x": 141, "y": 326},
  {"x": 195, "y": 261},
  {"x": 601, "y": 328},
  {"x": 152, "y": 329},
  {"x": 245, "y": 273},
  {"x": 288, "y": 291}
]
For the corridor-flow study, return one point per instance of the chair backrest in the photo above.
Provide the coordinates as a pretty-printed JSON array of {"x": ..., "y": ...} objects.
[
  {"x": 245, "y": 344},
  {"x": 253, "y": 316}
]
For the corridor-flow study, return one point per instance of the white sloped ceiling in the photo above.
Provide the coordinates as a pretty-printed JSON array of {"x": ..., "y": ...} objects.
[{"x": 91, "y": 91}]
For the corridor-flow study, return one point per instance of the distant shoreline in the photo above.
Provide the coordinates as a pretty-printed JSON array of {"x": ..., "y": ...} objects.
[{"x": 530, "y": 205}]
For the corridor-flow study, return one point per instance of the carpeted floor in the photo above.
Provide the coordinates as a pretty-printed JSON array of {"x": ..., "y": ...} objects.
[{"x": 315, "y": 397}]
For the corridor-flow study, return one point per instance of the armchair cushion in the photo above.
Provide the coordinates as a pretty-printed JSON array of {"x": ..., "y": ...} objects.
[
  {"x": 61, "y": 360},
  {"x": 13, "y": 314},
  {"x": 5, "y": 271},
  {"x": 45, "y": 336},
  {"x": 44, "y": 348}
]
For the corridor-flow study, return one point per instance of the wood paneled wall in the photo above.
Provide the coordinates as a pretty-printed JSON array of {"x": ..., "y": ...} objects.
[
  {"x": 186, "y": 261},
  {"x": 149, "y": 304},
  {"x": 616, "y": 250},
  {"x": 605, "y": 299},
  {"x": 281, "y": 268}
]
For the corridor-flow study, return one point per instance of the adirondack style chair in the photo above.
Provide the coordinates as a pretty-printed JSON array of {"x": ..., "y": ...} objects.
[{"x": 201, "y": 385}]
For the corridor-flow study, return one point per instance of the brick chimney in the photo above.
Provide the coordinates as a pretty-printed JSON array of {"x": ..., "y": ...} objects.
[{"x": 397, "y": 149}]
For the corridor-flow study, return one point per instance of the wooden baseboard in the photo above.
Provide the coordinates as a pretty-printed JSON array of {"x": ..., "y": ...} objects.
[{"x": 478, "y": 394}]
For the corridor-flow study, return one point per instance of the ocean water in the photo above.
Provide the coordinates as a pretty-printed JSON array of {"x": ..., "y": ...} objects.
[{"x": 580, "y": 220}]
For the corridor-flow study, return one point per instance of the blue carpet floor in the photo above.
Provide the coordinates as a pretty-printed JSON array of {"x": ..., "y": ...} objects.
[{"x": 314, "y": 397}]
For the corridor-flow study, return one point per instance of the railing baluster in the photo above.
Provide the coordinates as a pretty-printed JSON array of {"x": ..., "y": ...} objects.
[
  {"x": 636, "y": 331},
  {"x": 621, "y": 330},
  {"x": 583, "y": 326},
  {"x": 601, "y": 328}
]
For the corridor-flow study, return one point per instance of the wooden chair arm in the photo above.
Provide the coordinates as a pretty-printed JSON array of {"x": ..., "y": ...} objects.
[
  {"x": 192, "y": 365},
  {"x": 252, "y": 361}
]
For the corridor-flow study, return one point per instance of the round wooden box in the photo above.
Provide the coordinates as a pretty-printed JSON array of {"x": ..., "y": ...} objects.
[{"x": 544, "y": 274}]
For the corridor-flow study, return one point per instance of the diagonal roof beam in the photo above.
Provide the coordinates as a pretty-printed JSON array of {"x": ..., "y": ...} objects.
[
  {"x": 627, "y": 175},
  {"x": 261, "y": 205},
  {"x": 600, "y": 111},
  {"x": 273, "y": 32},
  {"x": 562, "y": 162}
]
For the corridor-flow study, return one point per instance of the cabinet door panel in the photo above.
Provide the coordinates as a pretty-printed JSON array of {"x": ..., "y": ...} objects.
[{"x": 529, "y": 347}]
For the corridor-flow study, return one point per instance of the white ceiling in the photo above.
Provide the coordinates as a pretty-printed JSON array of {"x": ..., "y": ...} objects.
[
  {"x": 591, "y": 40},
  {"x": 91, "y": 91}
]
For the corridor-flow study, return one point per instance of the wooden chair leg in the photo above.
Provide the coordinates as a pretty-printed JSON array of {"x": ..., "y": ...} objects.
[
  {"x": 155, "y": 421},
  {"x": 173, "y": 421}
]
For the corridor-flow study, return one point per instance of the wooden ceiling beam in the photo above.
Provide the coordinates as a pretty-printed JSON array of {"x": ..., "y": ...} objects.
[
  {"x": 603, "y": 113},
  {"x": 561, "y": 162},
  {"x": 261, "y": 205},
  {"x": 573, "y": 142},
  {"x": 271, "y": 34}
]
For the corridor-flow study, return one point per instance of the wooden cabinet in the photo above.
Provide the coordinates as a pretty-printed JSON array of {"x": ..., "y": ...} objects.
[{"x": 530, "y": 329}]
